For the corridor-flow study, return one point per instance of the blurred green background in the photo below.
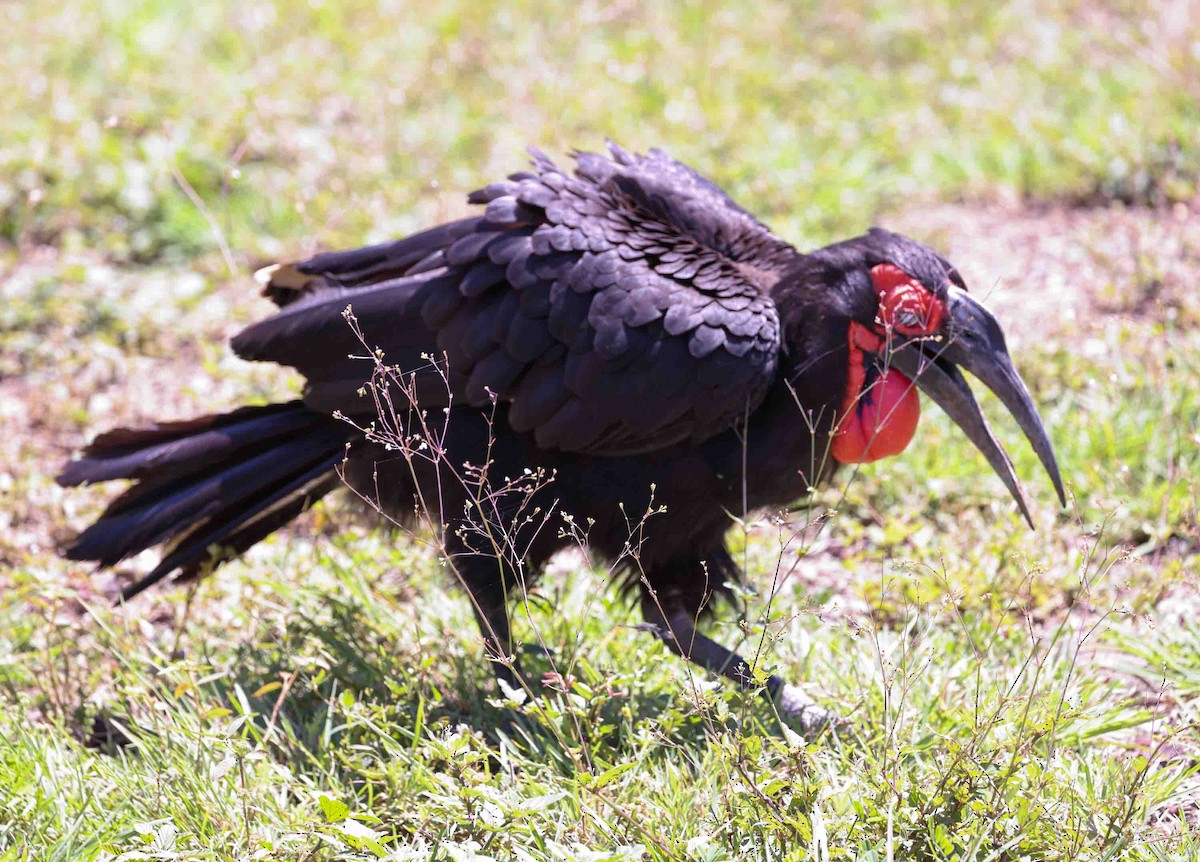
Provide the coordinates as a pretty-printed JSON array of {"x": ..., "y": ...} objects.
[{"x": 336, "y": 122}]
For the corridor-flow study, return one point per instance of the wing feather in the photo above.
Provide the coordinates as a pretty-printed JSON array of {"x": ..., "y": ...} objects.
[{"x": 619, "y": 309}]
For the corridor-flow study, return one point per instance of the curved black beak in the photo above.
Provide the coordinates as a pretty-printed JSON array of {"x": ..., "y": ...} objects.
[{"x": 975, "y": 342}]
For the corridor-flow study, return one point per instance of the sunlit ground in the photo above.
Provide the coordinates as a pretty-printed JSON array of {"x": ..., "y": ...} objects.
[{"x": 1009, "y": 694}]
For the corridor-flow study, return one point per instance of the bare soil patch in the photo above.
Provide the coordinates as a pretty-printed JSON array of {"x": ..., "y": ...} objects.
[{"x": 1049, "y": 271}]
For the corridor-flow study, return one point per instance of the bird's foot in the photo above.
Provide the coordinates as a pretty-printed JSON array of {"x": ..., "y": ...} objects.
[{"x": 801, "y": 709}]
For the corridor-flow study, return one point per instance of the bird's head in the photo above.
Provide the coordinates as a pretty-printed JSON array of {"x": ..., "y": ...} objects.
[{"x": 897, "y": 318}]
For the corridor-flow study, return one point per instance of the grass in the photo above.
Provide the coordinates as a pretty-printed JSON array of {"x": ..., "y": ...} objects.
[
  {"x": 334, "y": 122},
  {"x": 1010, "y": 694},
  {"x": 335, "y": 694}
]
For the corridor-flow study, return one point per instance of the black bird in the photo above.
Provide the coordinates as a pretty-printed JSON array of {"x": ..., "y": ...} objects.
[{"x": 618, "y": 354}]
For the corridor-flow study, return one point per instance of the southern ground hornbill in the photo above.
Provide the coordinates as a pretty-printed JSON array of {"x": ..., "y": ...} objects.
[{"x": 618, "y": 353}]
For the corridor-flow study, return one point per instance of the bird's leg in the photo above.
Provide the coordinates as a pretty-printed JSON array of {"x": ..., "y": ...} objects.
[
  {"x": 676, "y": 628},
  {"x": 497, "y": 640},
  {"x": 478, "y": 574}
]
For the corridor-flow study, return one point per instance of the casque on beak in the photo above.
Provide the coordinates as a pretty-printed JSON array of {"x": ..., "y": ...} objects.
[{"x": 974, "y": 341}]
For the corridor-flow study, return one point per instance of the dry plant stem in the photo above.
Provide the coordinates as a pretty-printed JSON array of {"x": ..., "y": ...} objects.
[
  {"x": 499, "y": 515},
  {"x": 492, "y": 539}
]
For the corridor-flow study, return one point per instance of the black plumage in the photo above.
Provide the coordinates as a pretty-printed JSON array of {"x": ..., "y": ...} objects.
[{"x": 625, "y": 331}]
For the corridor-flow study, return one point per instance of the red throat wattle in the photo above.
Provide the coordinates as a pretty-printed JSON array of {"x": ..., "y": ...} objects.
[{"x": 880, "y": 420}]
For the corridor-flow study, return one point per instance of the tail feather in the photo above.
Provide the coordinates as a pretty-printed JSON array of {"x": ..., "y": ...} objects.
[
  {"x": 225, "y": 480},
  {"x": 218, "y": 541},
  {"x": 120, "y": 442},
  {"x": 169, "y": 455},
  {"x": 163, "y": 516}
]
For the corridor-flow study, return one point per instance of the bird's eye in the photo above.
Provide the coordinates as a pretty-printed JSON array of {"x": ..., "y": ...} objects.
[
  {"x": 905, "y": 304},
  {"x": 908, "y": 319}
]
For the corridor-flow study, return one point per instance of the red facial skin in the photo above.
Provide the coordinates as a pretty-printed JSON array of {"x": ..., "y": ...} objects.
[{"x": 881, "y": 419}]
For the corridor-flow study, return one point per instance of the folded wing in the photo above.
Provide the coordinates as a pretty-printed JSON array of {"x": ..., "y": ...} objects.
[{"x": 619, "y": 309}]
